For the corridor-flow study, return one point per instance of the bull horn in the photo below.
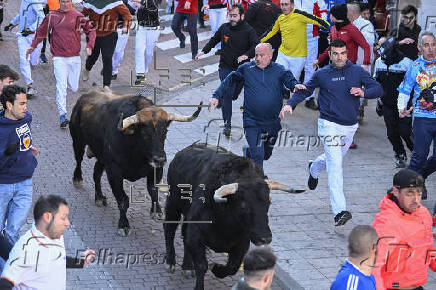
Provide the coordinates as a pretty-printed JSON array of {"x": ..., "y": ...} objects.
[
  {"x": 182, "y": 118},
  {"x": 123, "y": 124},
  {"x": 274, "y": 185},
  {"x": 223, "y": 191}
]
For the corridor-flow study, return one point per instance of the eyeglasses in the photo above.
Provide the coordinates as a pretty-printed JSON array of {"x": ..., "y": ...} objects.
[{"x": 410, "y": 18}]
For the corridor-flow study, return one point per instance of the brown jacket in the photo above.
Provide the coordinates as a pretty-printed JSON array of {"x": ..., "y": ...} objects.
[{"x": 107, "y": 22}]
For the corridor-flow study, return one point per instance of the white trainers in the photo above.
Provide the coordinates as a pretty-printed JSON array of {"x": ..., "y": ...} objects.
[{"x": 85, "y": 75}]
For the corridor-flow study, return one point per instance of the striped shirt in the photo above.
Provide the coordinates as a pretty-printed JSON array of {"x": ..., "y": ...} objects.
[{"x": 350, "y": 278}]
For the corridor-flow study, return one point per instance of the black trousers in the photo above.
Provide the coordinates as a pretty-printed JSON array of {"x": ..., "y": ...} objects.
[
  {"x": 398, "y": 130},
  {"x": 105, "y": 44},
  {"x": 192, "y": 28}
]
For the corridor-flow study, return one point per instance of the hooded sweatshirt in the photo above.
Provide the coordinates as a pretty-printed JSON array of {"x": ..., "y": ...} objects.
[
  {"x": 20, "y": 165},
  {"x": 336, "y": 104},
  {"x": 405, "y": 248}
]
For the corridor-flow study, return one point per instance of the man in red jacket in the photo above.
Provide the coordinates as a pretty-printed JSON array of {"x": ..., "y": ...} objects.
[
  {"x": 65, "y": 26},
  {"x": 405, "y": 246},
  {"x": 186, "y": 9}
]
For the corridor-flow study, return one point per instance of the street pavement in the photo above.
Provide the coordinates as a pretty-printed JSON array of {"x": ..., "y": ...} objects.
[{"x": 309, "y": 248}]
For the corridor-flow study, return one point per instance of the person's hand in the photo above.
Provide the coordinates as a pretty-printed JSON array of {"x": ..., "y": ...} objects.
[
  {"x": 405, "y": 112},
  {"x": 213, "y": 103},
  {"x": 88, "y": 51},
  {"x": 315, "y": 64},
  {"x": 285, "y": 109},
  {"x": 299, "y": 87},
  {"x": 8, "y": 27},
  {"x": 125, "y": 30},
  {"x": 187, "y": 5},
  {"x": 198, "y": 55},
  {"x": 35, "y": 151},
  {"x": 358, "y": 92},
  {"x": 242, "y": 58},
  {"x": 205, "y": 7},
  {"x": 28, "y": 52},
  {"x": 406, "y": 40},
  {"x": 89, "y": 257}
]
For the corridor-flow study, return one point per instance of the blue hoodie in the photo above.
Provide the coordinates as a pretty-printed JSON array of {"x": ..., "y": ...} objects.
[
  {"x": 336, "y": 104},
  {"x": 263, "y": 94},
  {"x": 350, "y": 278},
  {"x": 20, "y": 165}
]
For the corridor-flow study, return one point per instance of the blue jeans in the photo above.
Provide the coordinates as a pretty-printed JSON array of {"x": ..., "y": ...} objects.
[
  {"x": 226, "y": 103},
  {"x": 176, "y": 26},
  {"x": 260, "y": 143},
  {"x": 424, "y": 132},
  {"x": 15, "y": 203}
]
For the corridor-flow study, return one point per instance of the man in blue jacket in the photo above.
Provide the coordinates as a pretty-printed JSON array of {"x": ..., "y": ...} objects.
[
  {"x": 263, "y": 81},
  {"x": 17, "y": 161},
  {"x": 340, "y": 86}
]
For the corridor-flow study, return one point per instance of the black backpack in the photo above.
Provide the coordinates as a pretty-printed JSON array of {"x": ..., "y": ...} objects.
[{"x": 389, "y": 52}]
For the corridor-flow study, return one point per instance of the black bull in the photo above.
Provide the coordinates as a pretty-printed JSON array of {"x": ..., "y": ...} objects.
[
  {"x": 127, "y": 148},
  {"x": 228, "y": 195}
]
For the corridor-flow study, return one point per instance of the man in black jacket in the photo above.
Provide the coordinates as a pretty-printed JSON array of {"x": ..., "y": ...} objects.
[
  {"x": 408, "y": 32},
  {"x": 238, "y": 40},
  {"x": 261, "y": 15}
]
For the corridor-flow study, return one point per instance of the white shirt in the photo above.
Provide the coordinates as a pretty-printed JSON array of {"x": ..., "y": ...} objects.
[
  {"x": 367, "y": 29},
  {"x": 37, "y": 262}
]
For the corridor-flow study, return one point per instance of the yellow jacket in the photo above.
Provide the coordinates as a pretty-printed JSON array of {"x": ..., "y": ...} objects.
[{"x": 293, "y": 29}]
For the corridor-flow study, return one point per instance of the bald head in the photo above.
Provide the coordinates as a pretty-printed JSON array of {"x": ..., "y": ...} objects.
[
  {"x": 263, "y": 55},
  {"x": 362, "y": 240}
]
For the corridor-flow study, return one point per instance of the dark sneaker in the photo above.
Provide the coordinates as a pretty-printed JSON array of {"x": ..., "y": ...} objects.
[
  {"x": 400, "y": 160},
  {"x": 139, "y": 80},
  {"x": 43, "y": 58},
  {"x": 64, "y": 122},
  {"x": 311, "y": 104},
  {"x": 312, "y": 182},
  {"x": 114, "y": 77},
  {"x": 424, "y": 192},
  {"x": 227, "y": 131},
  {"x": 342, "y": 218}
]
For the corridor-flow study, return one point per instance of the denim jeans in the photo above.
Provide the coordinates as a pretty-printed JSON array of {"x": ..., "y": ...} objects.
[
  {"x": 424, "y": 132},
  {"x": 15, "y": 202},
  {"x": 261, "y": 144}
]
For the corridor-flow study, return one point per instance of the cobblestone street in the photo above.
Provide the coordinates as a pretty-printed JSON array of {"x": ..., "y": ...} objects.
[{"x": 309, "y": 248}]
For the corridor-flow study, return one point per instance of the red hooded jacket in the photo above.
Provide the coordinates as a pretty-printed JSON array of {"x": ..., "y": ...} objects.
[
  {"x": 405, "y": 248},
  {"x": 353, "y": 38}
]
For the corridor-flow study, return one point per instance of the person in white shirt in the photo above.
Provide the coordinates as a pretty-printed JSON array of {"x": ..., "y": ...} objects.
[{"x": 38, "y": 259}]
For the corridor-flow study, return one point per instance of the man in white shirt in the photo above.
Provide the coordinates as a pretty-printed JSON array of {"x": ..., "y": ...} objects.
[{"x": 38, "y": 259}]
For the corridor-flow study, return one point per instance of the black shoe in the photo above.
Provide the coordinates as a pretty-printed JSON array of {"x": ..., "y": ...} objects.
[
  {"x": 311, "y": 104},
  {"x": 114, "y": 77},
  {"x": 312, "y": 183},
  {"x": 182, "y": 43},
  {"x": 139, "y": 80},
  {"x": 342, "y": 218},
  {"x": 400, "y": 160},
  {"x": 64, "y": 124},
  {"x": 424, "y": 192},
  {"x": 227, "y": 131}
]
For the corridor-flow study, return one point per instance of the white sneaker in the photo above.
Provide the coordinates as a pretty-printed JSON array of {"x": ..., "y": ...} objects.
[
  {"x": 85, "y": 75},
  {"x": 31, "y": 91}
]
